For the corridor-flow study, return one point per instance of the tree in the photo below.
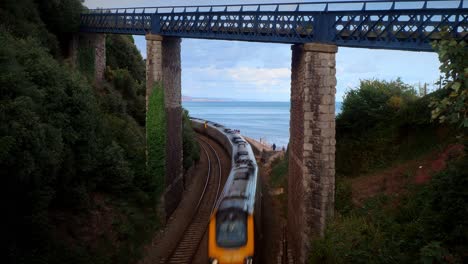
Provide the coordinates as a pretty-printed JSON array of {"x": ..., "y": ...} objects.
[
  {"x": 373, "y": 102},
  {"x": 452, "y": 107}
]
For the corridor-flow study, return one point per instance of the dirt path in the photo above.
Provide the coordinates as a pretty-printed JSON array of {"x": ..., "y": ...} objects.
[{"x": 394, "y": 180}]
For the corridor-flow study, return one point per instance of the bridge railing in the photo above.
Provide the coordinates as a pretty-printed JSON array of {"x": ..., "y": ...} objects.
[
  {"x": 326, "y": 6},
  {"x": 404, "y": 24}
]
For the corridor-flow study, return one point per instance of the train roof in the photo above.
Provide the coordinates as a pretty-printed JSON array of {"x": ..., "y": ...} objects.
[{"x": 240, "y": 189}]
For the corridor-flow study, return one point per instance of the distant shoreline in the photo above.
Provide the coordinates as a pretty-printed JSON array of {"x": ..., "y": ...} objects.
[
  {"x": 220, "y": 100},
  {"x": 204, "y": 100}
]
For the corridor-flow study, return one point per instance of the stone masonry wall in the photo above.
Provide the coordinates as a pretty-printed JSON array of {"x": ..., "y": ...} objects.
[
  {"x": 95, "y": 41},
  {"x": 163, "y": 64},
  {"x": 99, "y": 57},
  {"x": 172, "y": 99},
  {"x": 153, "y": 63},
  {"x": 312, "y": 146}
]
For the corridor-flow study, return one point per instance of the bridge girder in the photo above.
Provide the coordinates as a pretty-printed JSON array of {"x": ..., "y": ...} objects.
[{"x": 389, "y": 27}]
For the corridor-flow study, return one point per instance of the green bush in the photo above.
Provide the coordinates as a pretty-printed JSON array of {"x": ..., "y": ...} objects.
[
  {"x": 131, "y": 91},
  {"x": 343, "y": 196},
  {"x": 61, "y": 16},
  {"x": 191, "y": 149},
  {"x": 62, "y": 141},
  {"x": 279, "y": 172},
  {"x": 453, "y": 106},
  {"x": 126, "y": 71},
  {"x": 440, "y": 209},
  {"x": 22, "y": 19},
  {"x": 429, "y": 225},
  {"x": 50, "y": 122},
  {"x": 381, "y": 123},
  {"x": 352, "y": 239},
  {"x": 121, "y": 53},
  {"x": 156, "y": 138},
  {"x": 372, "y": 103}
]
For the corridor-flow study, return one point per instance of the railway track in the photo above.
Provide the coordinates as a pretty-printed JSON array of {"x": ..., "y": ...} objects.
[{"x": 188, "y": 246}]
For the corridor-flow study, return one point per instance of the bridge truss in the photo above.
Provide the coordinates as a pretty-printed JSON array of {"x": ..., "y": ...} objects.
[{"x": 385, "y": 24}]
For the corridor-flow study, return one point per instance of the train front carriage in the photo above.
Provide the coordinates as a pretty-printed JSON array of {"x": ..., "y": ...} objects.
[{"x": 231, "y": 234}]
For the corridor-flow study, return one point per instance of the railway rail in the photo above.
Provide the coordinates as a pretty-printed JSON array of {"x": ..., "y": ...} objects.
[{"x": 189, "y": 244}]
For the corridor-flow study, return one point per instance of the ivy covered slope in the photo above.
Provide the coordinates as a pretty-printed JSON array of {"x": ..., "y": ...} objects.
[
  {"x": 72, "y": 156},
  {"x": 156, "y": 133}
]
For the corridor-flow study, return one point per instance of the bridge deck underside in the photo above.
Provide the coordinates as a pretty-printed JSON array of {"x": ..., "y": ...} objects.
[{"x": 402, "y": 29}]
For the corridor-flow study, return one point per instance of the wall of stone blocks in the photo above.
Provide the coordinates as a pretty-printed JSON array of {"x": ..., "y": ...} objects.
[
  {"x": 95, "y": 41},
  {"x": 153, "y": 63},
  {"x": 312, "y": 145},
  {"x": 99, "y": 56},
  {"x": 163, "y": 64}
]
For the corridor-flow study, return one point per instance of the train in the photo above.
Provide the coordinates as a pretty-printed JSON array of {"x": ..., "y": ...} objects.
[{"x": 234, "y": 230}]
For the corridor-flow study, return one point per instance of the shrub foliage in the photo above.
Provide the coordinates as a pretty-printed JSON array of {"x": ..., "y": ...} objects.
[
  {"x": 382, "y": 122},
  {"x": 156, "y": 137},
  {"x": 429, "y": 226},
  {"x": 453, "y": 107},
  {"x": 63, "y": 141}
]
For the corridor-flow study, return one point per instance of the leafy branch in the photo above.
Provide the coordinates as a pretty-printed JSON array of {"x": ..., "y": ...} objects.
[{"x": 453, "y": 107}]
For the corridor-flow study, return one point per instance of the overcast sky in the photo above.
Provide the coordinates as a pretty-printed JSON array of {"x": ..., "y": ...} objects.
[{"x": 261, "y": 71}]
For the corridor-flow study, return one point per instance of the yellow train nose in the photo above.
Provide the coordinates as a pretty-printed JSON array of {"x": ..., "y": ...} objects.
[{"x": 232, "y": 259}]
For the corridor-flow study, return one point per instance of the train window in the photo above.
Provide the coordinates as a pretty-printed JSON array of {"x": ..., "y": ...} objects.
[
  {"x": 242, "y": 153},
  {"x": 242, "y": 175},
  {"x": 231, "y": 228}
]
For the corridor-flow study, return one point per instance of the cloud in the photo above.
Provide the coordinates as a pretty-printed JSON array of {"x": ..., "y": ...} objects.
[
  {"x": 259, "y": 76},
  {"x": 238, "y": 82}
]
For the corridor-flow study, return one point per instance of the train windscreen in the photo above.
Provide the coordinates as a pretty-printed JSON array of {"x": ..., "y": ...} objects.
[{"x": 231, "y": 228}]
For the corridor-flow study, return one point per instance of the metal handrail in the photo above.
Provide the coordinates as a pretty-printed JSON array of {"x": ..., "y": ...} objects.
[{"x": 325, "y": 6}]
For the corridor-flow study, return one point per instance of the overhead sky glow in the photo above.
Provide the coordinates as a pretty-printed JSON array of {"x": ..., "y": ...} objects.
[{"x": 262, "y": 71}]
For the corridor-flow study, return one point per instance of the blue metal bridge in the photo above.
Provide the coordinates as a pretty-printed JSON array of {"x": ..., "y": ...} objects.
[{"x": 384, "y": 24}]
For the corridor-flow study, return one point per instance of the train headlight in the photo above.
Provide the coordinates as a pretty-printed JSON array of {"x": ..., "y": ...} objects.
[
  {"x": 214, "y": 261},
  {"x": 248, "y": 260}
]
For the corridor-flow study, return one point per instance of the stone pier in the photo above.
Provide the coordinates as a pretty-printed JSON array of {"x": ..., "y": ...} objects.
[
  {"x": 163, "y": 66},
  {"x": 312, "y": 144},
  {"x": 96, "y": 44}
]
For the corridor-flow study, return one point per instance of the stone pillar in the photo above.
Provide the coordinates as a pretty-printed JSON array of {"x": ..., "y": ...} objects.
[
  {"x": 163, "y": 65},
  {"x": 153, "y": 63},
  {"x": 312, "y": 144},
  {"x": 73, "y": 50},
  {"x": 99, "y": 56},
  {"x": 86, "y": 41}
]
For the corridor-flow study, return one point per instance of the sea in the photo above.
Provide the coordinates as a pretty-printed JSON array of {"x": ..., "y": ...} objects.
[{"x": 263, "y": 121}]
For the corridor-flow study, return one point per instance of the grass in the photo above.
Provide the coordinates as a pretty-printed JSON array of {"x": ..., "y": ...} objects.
[
  {"x": 279, "y": 179},
  {"x": 279, "y": 172}
]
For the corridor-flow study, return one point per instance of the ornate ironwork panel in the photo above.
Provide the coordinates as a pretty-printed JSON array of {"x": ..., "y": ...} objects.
[{"x": 387, "y": 24}]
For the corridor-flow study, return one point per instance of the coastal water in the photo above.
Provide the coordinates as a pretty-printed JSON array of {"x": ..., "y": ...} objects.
[{"x": 266, "y": 120}]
